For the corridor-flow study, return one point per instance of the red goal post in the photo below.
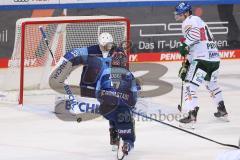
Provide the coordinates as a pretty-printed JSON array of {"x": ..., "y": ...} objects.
[{"x": 31, "y": 62}]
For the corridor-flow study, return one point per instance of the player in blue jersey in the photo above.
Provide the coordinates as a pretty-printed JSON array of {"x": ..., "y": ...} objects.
[
  {"x": 94, "y": 60},
  {"x": 117, "y": 92}
]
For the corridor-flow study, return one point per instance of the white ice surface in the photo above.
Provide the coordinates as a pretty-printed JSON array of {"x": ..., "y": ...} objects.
[{"x": 33, "y": 132}]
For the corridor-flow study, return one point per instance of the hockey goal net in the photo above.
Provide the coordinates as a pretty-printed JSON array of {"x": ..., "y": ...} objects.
[{"x": 31, "y": 62}]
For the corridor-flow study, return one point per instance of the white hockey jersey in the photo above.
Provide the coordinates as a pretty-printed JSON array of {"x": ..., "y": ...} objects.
[{"x": 199, "y": 39}]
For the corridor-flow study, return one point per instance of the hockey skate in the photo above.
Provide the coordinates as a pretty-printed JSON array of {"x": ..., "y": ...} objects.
[
  {"x": 190, "y": 120},
  {"x": 221, "y": 112},
  {"x": 126, "y": 148},
  {"x": 114, "y": 139}
]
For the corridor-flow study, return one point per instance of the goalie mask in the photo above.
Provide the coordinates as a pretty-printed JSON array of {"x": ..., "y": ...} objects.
[{"x": 105, "y": 41}]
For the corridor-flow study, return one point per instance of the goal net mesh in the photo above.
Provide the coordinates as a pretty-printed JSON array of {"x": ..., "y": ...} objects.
[{"x": 31, "y": 60}]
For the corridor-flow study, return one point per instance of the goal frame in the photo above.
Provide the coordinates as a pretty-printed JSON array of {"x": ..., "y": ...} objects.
[{"x": 26, "y": 23}]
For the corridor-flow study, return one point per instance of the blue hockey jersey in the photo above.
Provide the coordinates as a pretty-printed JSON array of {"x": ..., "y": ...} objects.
[
  {"x": 94, "y": 64},
  {"x": 117, "y": 86}
]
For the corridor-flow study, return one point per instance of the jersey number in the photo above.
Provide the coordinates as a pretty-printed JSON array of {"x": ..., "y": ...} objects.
[{"x": 115, "y": 84}]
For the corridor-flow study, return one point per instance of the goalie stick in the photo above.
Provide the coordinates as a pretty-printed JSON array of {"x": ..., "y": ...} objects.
[
  {"x": 200, "y": 136},
  {"x": 46, "y": 42},
  {"x": 66, "y": 87}
]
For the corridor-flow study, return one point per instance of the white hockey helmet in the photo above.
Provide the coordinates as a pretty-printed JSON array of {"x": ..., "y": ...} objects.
[{"x": 105, "y": 38}]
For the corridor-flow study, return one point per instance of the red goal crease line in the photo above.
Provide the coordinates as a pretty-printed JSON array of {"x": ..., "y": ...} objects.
[{"x": 146, "y": 57}]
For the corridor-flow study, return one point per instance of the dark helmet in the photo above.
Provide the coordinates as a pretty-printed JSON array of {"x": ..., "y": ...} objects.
[
  {"x": 183, "y": 7},
  {"x": 119, "y": 59}
]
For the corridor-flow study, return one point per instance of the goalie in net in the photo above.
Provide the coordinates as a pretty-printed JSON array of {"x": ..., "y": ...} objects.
[{"x": 95, "y": 60}]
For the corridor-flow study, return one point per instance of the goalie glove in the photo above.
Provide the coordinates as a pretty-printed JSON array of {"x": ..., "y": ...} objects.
[{"x": 183, "y": 70}]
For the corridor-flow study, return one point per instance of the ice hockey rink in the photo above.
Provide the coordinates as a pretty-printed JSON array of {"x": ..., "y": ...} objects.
[{"x": 34, "y": 132}]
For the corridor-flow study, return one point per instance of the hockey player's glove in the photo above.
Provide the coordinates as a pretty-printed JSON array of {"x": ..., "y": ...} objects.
[
  {"x": 183, "y": 49},
  {"x": 183, "y": 70}
]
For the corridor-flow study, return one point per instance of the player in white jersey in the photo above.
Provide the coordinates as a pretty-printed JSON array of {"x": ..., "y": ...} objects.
[{"x": 202, "y": 62}]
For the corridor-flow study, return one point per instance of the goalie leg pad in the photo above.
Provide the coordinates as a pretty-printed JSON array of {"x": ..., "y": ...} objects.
[{"x": 58, "y": 76}]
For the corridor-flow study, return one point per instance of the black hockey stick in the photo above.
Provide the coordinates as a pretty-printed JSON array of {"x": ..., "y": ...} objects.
[
  {"x": 46, "y": 42},
  {"x": 150, "y": 118},
  {"x": 181, "y": 101}
]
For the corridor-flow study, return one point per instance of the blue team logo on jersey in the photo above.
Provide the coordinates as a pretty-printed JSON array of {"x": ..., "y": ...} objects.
[{"x": 214, "y": 54}]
